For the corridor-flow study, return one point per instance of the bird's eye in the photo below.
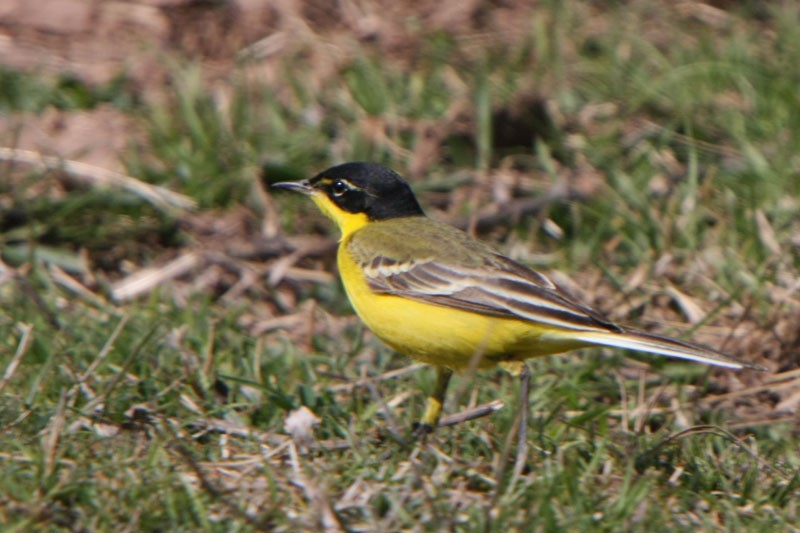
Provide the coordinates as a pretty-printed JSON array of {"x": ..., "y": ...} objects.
[{"x": 339, "y": 187}]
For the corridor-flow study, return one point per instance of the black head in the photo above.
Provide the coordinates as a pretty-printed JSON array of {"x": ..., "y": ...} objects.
[{"x": 367, "y": 188}]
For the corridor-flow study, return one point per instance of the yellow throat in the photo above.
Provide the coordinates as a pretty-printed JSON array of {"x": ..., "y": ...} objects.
[{"x": 345, "y": 221}]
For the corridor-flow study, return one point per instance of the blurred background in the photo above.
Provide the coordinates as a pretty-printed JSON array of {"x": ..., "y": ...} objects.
[{"x": 156, "y": 296}]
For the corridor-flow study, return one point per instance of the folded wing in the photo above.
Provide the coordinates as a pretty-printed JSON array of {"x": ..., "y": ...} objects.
[{"x": 498, "y": 287}]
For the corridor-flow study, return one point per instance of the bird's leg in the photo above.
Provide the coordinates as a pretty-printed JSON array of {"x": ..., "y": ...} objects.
[{"x": 433, "y": 406}]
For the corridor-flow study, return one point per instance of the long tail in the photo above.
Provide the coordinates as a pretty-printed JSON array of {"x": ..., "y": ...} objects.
[{"x": 633, "y": 339}]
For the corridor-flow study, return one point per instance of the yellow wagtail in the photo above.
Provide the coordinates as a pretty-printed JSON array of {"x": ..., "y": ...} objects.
[{"x": 434, "y": 293}]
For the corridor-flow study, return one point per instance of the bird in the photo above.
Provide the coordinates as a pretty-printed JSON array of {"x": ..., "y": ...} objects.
[{"x": 433, "y": 292}]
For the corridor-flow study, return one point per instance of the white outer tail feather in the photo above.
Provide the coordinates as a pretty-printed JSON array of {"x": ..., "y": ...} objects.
[{"x": 632, "y": 339}]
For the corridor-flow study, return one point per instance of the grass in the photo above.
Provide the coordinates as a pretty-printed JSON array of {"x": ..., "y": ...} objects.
[{"x": 673, "y": 132}]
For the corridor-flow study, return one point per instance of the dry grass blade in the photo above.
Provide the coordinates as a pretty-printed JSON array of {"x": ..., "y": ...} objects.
[
  {"x": 386, "y": 410},
  {"x": 28, "y": 289},
  {"x": 211, "y": 488},
  {"x": 392, "y": 374},
  {"x": 774, "y": 383},
  {"x": 218, "y": 425},
  {"x": 53, "y": 435},
  {"x": 280, "y": 267},
  {"x": 766, "y": 233},
  {"x": 693, "y": 312},
  {"x": 159, "y": 197},
  {"x": 326, "y": 517},
  {"x": 145, "y": 280},
  {"x": 516, "y": 210},
  {"x": 22, "y": 348},
  {"x": 716, "y": 430},
  {"x": 75, "y": 286},
  {"x": 478, "y": 411},
  {"x": 105, "y": 350}
]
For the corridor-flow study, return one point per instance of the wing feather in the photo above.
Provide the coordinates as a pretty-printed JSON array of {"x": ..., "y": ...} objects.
[{"x": 499, "y": 287}]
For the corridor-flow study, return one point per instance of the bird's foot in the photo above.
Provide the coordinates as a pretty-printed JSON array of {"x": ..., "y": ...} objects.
[{"x": 420, "y": 431}]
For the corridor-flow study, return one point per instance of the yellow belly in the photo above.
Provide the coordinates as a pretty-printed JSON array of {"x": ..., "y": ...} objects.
[{"x": 443, "y": 335}]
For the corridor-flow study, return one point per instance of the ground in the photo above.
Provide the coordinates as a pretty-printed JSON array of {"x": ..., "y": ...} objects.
[{"x": 178, "y": 354}]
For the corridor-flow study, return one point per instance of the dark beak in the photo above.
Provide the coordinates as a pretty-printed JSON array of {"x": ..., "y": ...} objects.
[{"x": 302, "y": 186}]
